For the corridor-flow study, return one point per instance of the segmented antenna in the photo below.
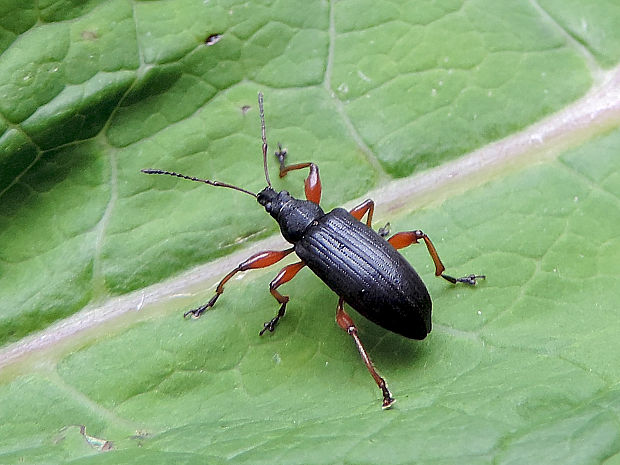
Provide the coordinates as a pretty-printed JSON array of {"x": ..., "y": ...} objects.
[
  {"x": 206, "y": 181},
  {"x": 262, "y": 126}
]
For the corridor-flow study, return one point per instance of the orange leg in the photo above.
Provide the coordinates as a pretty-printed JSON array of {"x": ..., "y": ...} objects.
[
  {"x": 368, "y": 206},
  {"x": 359, "y": 211},
  {"x": 345, "y": 322},
  {"x": 313, "y": 181},
  {"x": 405, "y": 239},
  {"x": 284, "y": 276},
  {"x": 259, "y": 260}
]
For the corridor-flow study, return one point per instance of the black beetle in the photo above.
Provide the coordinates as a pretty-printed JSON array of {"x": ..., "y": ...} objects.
[{"x": 363, "y": 268}]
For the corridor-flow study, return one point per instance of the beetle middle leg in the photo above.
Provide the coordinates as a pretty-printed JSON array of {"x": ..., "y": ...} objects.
[
  {"x": 367, "y": 206},
  {"x": 312, "y": 184},
  {"x": 345, "y": 322},
  {"x": 405, "y": 239},
  {"x": 284, "y": 276},
  {"x": 258, "y": 260}
]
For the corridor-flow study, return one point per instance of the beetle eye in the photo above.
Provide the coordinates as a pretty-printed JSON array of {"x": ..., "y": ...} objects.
[{"x": 268, "y": 206}]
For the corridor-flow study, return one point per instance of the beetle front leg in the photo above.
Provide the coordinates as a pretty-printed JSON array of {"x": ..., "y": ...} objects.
[
  {"x": 345, "y": 322},
  {"x": 405, "y": 239},
  {"x": 259, "y": 260},
  {"x": 312, "y": 183},
  {"x": 284, "y": 276}
]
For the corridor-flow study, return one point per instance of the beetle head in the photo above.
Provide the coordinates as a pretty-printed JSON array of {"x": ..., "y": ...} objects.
[
  {"x": 293, "y": 215},
  {"x": 273, "y": 201},
  {"x": 266, "y": 198}
]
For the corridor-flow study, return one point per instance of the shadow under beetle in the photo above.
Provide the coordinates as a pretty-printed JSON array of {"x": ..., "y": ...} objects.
[{"x": 360, "y": 265}]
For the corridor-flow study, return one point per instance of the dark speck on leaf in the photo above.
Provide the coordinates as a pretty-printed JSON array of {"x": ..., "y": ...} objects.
[{"x": 213, "y": 39}]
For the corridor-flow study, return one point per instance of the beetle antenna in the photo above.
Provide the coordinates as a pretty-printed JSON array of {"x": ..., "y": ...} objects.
[
  {"x": 262, "y": 126},
  {"x": 206, "y": 181}
]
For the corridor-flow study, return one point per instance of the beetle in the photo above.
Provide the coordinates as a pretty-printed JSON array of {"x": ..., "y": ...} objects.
[{"x": 360, "y": 265}]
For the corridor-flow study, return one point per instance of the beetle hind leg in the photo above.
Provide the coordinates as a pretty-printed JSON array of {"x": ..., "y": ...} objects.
[
  {"x": 405, "y": 239},
  {"x": 285, "y": 275},
  {"x": 345, "y": 322}
]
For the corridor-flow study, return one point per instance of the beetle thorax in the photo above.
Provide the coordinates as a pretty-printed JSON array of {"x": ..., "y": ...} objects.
[{"x": 293, "y": 215}]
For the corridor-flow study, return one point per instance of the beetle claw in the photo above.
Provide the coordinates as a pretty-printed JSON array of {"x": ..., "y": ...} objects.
[
  {"x": 387, "y": 403},
  {"x": 281, "y": 153},
  {"x": 269, "y": 326},
  {"x": 388, "y": 400},
  {"x": 385, "y": 230},
  {"x": 196, "y": 312},
  {"x": 470, "y": 279}
]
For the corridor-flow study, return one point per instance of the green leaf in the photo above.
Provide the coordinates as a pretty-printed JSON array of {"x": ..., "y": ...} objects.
[{"x": 492, "y": 126}]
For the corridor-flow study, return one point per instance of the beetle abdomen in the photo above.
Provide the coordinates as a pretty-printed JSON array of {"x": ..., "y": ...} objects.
[{"x": 367, "y": 272}]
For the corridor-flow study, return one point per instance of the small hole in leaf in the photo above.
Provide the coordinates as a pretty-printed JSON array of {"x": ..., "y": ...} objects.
[{"x": 213, "y": 39}]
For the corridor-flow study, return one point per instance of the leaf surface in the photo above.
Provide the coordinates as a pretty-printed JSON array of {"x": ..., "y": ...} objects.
[{"x": 493, "y": 127}]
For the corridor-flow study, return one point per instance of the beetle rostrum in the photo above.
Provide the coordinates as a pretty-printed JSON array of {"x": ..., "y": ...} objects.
[{"x": 363, "y": 267}]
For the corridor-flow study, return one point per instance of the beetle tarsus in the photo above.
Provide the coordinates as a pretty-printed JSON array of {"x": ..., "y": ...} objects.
[
  {"x": 469, "y": 279},
  {"x": 385, "y": 230},
  {"x": 388, "y": 400},
  {"x": 281, "y": 156},
  {"x": 271, "y": 324},
  {"x": 196, "y": 312}
]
